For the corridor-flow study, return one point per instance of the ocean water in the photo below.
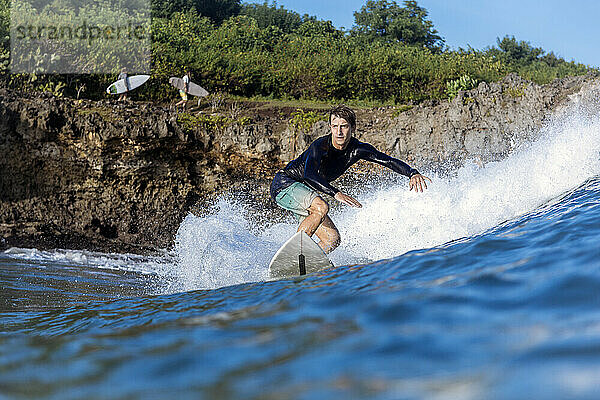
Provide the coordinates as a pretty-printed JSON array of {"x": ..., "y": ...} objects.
[{"x": 487, "y": 286}]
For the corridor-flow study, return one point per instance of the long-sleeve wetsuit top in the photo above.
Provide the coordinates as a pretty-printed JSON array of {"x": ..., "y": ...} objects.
[{"x": 322, "y": 163}]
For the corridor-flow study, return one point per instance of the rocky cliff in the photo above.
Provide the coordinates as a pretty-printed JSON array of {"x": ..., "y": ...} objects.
[{"x": 100, "y": 175}]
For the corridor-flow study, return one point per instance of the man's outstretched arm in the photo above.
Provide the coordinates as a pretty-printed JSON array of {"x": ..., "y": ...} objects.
[{"x": 417, "y": 181}]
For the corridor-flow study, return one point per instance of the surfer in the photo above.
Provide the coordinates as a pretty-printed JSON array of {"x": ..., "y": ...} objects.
[
  {"x": 296, "y": 188},
  {"x": 123, "y": 75},
  {"x": 183, "y": 93}
]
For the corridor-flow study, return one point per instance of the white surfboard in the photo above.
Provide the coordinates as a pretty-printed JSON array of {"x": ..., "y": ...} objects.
[
  {"x": 193, "y": 89},
  {"x": 287, "y": 261},
  {"x": 119, "y": 86}
]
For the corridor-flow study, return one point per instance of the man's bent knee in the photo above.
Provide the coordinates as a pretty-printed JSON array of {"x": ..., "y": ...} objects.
[
  {"x": 331, "y": 243},
  {"x": 319, "y": 207},
  {"x": 334, "y": 244},
  {"x": 329, "y": 235}
]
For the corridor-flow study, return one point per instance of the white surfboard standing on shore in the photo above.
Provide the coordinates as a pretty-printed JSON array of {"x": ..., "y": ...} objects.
[
  {"x": 300, "y": 255},
  {"x": 193, "y": 89},
  {"x": 120, "y": 86}
]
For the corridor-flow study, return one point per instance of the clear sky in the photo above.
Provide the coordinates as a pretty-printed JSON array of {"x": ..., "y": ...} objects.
[{"x": 570, "y": 29}]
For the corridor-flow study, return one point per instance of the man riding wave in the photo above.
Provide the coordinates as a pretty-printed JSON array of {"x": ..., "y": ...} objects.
[{"x": 296, "y": 188}]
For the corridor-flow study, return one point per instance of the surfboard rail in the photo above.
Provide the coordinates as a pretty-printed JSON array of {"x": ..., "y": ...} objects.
[{"x": 120, "y": 86}]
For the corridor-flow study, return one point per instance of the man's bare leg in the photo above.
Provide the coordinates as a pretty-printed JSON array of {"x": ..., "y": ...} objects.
[
  {"x": 316, "y": 214},
  {"x": 318, "y": 222},
  {"x": 328, "y": 235}
]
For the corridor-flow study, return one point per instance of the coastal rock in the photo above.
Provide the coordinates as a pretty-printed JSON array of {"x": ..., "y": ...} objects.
[{"x": 120, "y": 177}]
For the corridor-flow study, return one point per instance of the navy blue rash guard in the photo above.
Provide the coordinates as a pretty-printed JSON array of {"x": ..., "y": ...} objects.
[{"x": 322, "y": 163}]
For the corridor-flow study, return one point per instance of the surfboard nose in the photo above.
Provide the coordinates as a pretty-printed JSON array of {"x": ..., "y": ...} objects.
[{"x": 300, "y": 255}]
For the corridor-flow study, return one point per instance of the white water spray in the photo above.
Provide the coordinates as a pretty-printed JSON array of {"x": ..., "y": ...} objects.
[{"x": 224, "y": 248}]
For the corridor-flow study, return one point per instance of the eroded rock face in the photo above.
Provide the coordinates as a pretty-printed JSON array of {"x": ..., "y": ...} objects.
[
  {"x": 118, "y": 177},
  {"x": 483, "y": 124}
]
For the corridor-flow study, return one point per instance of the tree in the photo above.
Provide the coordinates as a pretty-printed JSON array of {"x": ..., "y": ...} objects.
[
  {"x": 517, "y": 53},
  {"x": 269, "y": 15},
  {"x": 216, "y": 10},
  {"x": 314, "y": 27},
  {"x": 383, "y": 19}
]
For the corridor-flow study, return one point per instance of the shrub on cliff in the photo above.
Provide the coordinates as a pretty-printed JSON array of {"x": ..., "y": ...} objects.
[
  {"x": 272, "y": 52},
  {"x": 532, "y": 62},
  {"x": 4, "y": 35},
  {"x": 270, "y": 15},
  {"x": 310, "y": 58},
  {"x": 216, "y": 10}
]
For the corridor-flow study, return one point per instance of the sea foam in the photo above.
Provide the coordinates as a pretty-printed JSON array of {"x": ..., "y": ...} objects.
[{"x": 225, "y": 247}]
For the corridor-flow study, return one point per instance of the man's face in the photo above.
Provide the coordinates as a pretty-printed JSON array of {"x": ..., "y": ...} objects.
[{"x": 341, "y": 132}]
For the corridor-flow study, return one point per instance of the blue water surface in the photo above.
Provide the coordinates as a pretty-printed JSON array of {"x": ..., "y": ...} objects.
[{"x": 510, "y": 313}]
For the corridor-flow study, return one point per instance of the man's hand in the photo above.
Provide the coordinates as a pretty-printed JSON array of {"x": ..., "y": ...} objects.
[
  {"x": 418, "y": 182},
  {"x": 344, "y": 198}
]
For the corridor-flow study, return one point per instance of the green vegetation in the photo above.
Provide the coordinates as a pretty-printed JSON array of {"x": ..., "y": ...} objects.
[
  {"x": 400, "y": 109},
  {"x": 269, "y": 15},
  {"x": 104, "y": 112},
  {"x": 393, "y": 55},
  {"x": 4, "y": 35},
  {"x": 216, "y": 10},
  {"x": 386, "y": 20},
  {"x": 516, "y": 92},
  {"x": 210, "y": 122},
  {"x": 303, "y": 121},
  {"x": 213, "y": 122},
  {"x": 465, "y": 82}
]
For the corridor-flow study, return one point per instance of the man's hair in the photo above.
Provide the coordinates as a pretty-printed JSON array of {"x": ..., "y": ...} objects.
[{"x": 345, "y": 112}]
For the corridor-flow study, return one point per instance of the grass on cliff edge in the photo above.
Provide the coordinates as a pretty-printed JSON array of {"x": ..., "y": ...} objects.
[{"x": 269, "y": 102}]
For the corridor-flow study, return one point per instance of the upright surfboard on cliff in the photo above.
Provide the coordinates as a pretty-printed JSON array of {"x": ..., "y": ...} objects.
[
  {"x": 193, "y": 89},
  {"x": 119, "y": 86},
  {"x": 300, "y": 255}
]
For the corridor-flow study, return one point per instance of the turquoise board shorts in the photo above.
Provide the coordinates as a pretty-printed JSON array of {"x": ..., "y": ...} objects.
[{"x": 296, "y": 198}]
